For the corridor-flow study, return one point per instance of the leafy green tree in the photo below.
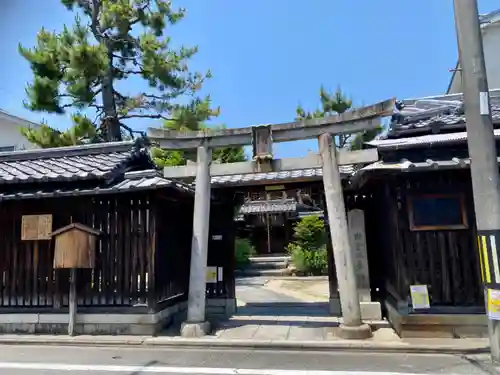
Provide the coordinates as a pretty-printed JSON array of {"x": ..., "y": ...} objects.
[
  {"x": 337, "y": 103},
  {"x": 82, "y": 67}
]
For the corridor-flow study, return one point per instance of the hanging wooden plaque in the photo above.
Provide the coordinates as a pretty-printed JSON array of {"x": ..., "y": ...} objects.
[{"x": 36, "y": 227}]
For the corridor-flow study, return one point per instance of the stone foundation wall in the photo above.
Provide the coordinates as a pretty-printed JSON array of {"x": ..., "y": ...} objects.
[
  {"x": 437, "y": 325},
  {"x": 370, "y": 310},
  {"x": 220, "y": 308},
  {"x": 112, "y": 323},
  {"x": 91, "y": 324}
]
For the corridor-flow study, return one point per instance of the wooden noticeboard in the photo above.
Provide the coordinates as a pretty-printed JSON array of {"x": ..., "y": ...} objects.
[{"x": 36, "y": 227}]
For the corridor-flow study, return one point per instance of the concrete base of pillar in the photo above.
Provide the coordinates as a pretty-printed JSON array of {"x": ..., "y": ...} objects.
[
  {"x": 369, "y": 310},
  {"x": 355, "y": 333},
  {"x": 195, "y": 329}
]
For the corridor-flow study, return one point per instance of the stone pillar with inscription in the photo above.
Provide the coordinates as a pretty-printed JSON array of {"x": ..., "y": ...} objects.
[{"x": 370, "y": 310}]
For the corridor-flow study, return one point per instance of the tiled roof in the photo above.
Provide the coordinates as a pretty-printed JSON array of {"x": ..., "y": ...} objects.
[
  {"x": 431, "y": 139},
  {"x": 94, "y": 161},
  {"x": 269, "y": 206},
  {"x": 251, "y": 178},
  {"x": 409, "y": 166},
  {"x": 133, "y": 181},
  {"x": 435, "y": 115}
]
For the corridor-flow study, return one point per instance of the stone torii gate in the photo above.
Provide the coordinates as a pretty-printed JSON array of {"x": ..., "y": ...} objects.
[{"x": 262, "y": 138}]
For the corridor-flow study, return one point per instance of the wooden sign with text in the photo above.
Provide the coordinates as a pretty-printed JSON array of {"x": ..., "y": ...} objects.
[{"x": 36, "y": 227}]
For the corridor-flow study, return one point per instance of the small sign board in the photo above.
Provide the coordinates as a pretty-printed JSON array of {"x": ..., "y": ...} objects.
[
  {"x": 419, "y": 297},
  {"x": 493, "y": 304},
  {"x": 274, "y": 187},
  {"x": 36, "y": 227},
  {"x": 211, "y": 275}
]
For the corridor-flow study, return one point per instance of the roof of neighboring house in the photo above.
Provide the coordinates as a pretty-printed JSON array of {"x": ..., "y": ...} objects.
[
  {"x": 486, "y": 20},
  {"x": 132, "y": 181},
  {"x": 408, "y": 166},
  {"x": 423, "y": 140},
  {"x": 18, "y": 120},
  {"x": 85, "y": 162},
  {"x": 435, "y": 114},
  {"x": 312, "y": 174}
]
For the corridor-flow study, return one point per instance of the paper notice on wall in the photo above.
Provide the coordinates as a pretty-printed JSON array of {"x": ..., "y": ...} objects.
[
  {"x": 494, "y": 304},
  {"x": 419, "y": 297},
  {"x": 211, "y": 275}
]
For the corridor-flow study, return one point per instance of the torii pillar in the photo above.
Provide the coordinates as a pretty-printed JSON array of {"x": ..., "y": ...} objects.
[{"x": 196, "y": 324}]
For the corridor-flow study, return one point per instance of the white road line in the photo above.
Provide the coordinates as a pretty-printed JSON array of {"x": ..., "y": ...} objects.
[{"x": 178, "y": 370}]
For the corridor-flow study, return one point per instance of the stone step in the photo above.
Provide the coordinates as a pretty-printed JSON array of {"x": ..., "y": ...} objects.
[
  {"x": 267, "y": 265},
  {"x": 260, "y": 272},
  {"x": 270, "y": 259}
]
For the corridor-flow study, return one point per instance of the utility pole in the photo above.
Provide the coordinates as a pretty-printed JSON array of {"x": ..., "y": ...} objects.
[{"x": 482, "y": 151}]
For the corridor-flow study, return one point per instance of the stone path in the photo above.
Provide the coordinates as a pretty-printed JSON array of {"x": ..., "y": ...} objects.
[
  {"x": 292, "y": 328},
  {"x": 266, "y": 311}
]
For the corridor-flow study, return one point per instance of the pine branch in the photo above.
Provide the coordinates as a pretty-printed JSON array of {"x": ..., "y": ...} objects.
[
  {"x": 130, "y": 71},
  {"x": 143, "y": 115}
]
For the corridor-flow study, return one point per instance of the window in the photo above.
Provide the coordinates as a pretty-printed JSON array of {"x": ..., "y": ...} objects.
[
  {"x": 437, "y": 212},
  {"x": 7, "y": 148}
]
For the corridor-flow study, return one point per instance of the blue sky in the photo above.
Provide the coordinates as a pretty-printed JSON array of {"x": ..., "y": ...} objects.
[{"x": 267, "y": 56}]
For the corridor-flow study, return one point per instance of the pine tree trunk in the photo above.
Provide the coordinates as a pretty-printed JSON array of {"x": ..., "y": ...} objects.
[{"x": 110, "y": 122}]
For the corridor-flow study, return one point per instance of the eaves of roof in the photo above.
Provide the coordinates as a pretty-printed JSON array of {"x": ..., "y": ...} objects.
[
  {"x": 312, "y": 174},
  {"x": 85, "y": 162},
  {"x": 424, "y": 140},
  {"x": 132, "y": 181}
]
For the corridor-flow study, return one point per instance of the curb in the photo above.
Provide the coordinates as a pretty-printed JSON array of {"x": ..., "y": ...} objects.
[{"x": 339, "y": 345}]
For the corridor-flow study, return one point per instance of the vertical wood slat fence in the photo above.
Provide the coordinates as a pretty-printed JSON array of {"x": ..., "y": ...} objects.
[{"x": 128, "y": 256}]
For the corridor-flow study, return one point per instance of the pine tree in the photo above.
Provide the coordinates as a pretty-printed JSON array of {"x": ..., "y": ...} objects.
[
  {"x": 190, "y": 119},
  {"x": 337, "y": 103},
  {"x": 81, "y": 67}
]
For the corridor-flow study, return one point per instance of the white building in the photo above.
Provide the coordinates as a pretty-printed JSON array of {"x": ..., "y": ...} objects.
[
  {"x": 10, "y": 132},
  {"x": 490, "y": 24}
]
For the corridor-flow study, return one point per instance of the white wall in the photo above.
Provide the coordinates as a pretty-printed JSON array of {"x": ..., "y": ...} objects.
[
  {"x": 10, "y": 132},
  {"x": 491, "y": 45}
]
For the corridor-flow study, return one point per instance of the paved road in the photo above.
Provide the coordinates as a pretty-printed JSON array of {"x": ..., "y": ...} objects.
[
  {"x": 24, "y": 360},
  {"x": 259, "y": 300},
  {"x": 252, "y": 290}
]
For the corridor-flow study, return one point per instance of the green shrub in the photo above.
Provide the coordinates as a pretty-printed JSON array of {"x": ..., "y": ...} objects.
[
  {"x": 309, "y": 262},
  {"x": 308, "y": 249},
  {"x": 309, "y": 233},
  {"x": 243, "y": 251}
]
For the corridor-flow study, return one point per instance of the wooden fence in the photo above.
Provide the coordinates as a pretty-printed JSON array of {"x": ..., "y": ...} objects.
[{"x": 141, "y": 260}]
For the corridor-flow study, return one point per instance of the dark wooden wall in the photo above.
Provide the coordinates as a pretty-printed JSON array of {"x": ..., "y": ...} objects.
[
  {"x": 445, "y": 260},
  {"x": 143, "y": 238},
  {"x": 221, "y": 247}
]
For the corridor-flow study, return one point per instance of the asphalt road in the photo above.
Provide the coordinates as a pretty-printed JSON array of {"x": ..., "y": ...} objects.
[{"x": 23, "y": 360}]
